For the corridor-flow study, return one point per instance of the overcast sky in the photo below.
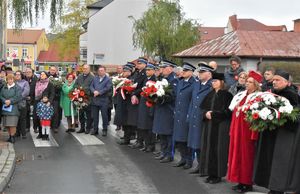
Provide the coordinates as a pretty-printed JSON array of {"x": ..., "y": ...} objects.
[{"x": 216, "y": 12}]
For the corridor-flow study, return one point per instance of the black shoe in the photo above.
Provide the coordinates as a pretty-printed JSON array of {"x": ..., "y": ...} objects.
[
  {"x": 9, "y": 139},
  {"x": 149, "y": 149},
  {"x": 12, "y": 139},
  {"x": 215, "y": 180},
  {"x": 39, "y": 136},
  {"x": 209, "y": 178},
  {"x": 76, "y": 125},
  {"x": 123, "y": 142},
  {"x": 93, "y": 133},
  {"x": 137, "y": 145},
  {"x": 245, "y": 188},
  {"x": 187, "y": 166},
  {"x": 104, "y": 133},
  {"x": 71, "y": 130},
  {"x": 80, "y": 131},
  {"x": 275, "y": 192},
  {"x": 68, "y": 131},
  {"x": 159, "y": 157},
  {"x": 236, "y": 187},
  {"x": 180, "y": 163},
  {"x": 143, "y": 149},
  {"x": 166, "y": 160}
]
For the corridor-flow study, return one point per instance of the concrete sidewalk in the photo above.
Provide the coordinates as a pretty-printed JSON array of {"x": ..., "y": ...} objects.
[{"x": 7, "y": 161}]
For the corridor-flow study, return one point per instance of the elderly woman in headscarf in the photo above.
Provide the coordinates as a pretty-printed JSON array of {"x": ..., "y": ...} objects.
[{"x": 43, "y": 88}]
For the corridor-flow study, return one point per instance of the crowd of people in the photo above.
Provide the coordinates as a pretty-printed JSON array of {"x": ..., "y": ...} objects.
[{"x": 201, "y": 117}]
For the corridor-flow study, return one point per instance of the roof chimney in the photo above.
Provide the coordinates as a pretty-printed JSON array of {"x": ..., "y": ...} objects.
[{"x": 297, "y": 25}]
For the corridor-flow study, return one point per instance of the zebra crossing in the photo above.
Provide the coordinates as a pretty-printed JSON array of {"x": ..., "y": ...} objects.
[{"x": 83, "y": 139}]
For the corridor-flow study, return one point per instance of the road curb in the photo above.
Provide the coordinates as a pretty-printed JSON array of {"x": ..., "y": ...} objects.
[{"x": 7, "y": 164}]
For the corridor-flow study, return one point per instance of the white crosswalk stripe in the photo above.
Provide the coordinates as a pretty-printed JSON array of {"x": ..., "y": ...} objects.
[
  {"x": 84, "y": 139},
  {"x": 43, "y": 143}
]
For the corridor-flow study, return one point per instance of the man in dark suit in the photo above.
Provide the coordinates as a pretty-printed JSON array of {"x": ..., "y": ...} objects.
[{"x": 100, "y": 87}]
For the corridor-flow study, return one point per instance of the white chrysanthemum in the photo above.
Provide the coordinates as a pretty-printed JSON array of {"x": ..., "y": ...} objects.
[
  {"x": 270, "y": 117},
  {"x": 264, "y": 113},
  {"x": 254, "y": 106},
  {"x": 164, "y": 82}
]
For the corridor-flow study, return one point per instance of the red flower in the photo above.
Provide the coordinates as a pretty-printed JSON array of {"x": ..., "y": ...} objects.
[
  {"x": 255, "y": 116},
  {"x": 149, "y": 104},
  {"x": 82, "y": 93}
]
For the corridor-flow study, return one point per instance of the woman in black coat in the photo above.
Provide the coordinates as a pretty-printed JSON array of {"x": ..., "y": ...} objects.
[
  {"x": 43, "y": 88},
  {"x": 215, "y": 131}
]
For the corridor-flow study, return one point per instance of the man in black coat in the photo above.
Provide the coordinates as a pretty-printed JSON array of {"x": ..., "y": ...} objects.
[
  {"x": 84, "y": 80},
  {"x": 55, "y": 122},
  {"x": 139, "y": 78},
  {"x": 267, "y": 84},
  {"x": 275, "y": 149},
  {"x": 145, "y": 114},
  {"x": 31, "y": 79}
]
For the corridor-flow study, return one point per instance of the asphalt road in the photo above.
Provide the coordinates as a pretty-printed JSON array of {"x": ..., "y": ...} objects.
[
  {"x": 80, "y": 163},
  {"x": 109, "y": 168}
]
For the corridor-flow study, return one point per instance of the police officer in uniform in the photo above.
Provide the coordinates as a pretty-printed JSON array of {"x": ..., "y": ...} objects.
[
  {"x": 200, "y": 89},
  {"x": 139, "y": 78},
  {"x": 181, "y": 127},
  {"x": 164, "y": 114},
  {"x": 145, "y": 114}
]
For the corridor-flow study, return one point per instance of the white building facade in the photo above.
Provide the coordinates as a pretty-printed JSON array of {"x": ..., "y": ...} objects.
[{"x": 110, "y": 30}]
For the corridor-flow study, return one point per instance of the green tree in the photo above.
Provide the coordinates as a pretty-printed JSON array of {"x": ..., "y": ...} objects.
[
  {"x": 23, "y": 11},
  {"x": 70, "y": 26},
  {"x": 163, "y": 30}
]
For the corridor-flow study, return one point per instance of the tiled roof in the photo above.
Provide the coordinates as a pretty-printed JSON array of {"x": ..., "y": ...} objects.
[
  {"x": 26, "y": 36},
  {"x": 251, "y": 24},
  {"x": 99, "y": 4},
  {"x": 270, "y": 44},
  {"x": 52, "y": 55},
  {"x": 209, "y": 33}
]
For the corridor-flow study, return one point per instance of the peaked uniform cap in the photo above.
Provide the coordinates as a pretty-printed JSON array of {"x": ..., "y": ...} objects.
[
  {"x": 142, "y": 60},
  {"x": 188, "y": 66},
  {"x": 166, "y": 63}
]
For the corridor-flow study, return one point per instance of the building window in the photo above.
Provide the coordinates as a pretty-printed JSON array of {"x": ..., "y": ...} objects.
[
  {"x": 24, "y": 53},
  {"x": 15, "y": 52},
  {"x": 83, "y": 53}
]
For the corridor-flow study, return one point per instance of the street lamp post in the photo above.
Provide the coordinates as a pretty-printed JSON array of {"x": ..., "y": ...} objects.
[{"x": 3, "y": 23}]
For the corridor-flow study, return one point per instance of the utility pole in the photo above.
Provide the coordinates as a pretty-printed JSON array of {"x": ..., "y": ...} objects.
[{"x": 3, "y": 30}]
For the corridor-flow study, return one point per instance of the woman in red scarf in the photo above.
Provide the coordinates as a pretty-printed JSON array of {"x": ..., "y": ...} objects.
[{"x": 242, "y": 139}]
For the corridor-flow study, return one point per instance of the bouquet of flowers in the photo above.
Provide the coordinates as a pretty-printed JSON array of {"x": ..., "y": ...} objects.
[
  {"x": 125, "y": 86},
  {"x": 154, "y": 91},
  {"x": 79, "y": 98},
  {"x": 56, "y": 81},
  {"x": 268, "y": 111}
]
